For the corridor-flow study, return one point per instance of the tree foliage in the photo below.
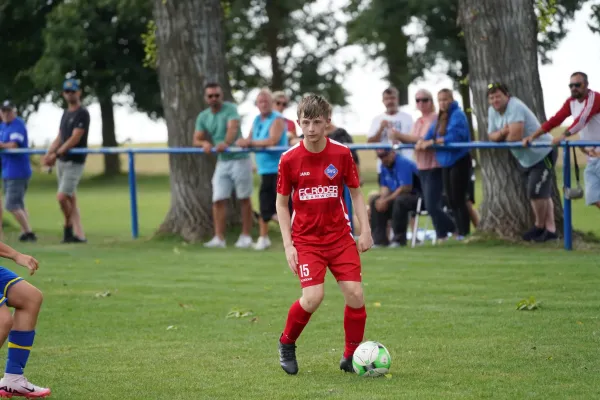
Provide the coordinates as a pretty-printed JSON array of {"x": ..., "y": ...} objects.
[
  {"x": 21, "y": 45},
  {"x": 101, "y": 44}
]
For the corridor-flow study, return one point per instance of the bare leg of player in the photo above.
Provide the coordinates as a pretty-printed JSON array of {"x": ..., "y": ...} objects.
[
  {"x": 355, "y": 318},
  {"x": 27, "y": 301},
  {"x": 298, "y": 316}
]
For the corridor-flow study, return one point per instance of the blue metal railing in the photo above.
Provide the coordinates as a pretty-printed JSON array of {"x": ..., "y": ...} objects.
[{"x": 131, "y": 152}]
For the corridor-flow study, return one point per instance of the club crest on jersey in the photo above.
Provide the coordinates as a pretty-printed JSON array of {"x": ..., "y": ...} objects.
[{"x": 331, "y": 171}]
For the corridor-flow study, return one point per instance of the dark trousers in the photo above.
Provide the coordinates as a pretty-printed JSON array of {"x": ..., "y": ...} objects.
[
  {"x": 433, "y": 192},
  {"x": 456, "y": 184},
  {"x": 398, "y": 210}
]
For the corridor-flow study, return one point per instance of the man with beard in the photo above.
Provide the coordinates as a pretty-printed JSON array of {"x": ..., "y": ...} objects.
[
  {"x": 73, "y": 133},
  {"x": 584, "y": 106}
]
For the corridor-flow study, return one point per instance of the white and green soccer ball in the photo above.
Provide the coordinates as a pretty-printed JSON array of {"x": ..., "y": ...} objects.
[{"x": 371, "y": 359}]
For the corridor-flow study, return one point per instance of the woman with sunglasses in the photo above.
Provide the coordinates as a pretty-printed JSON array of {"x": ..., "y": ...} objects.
[
  {"x": 430, "y": 172},
  {"x": 280, "y": 102},
  {"x": 452, "y": 127}
]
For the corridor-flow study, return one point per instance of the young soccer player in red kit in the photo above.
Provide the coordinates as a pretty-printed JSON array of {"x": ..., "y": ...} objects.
[{"x": 318, "y": 236}]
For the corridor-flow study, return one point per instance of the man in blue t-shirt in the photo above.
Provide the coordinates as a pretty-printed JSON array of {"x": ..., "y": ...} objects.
[
  {"x": 16, "y": 169},
  {"x": 399, "y": 193}
]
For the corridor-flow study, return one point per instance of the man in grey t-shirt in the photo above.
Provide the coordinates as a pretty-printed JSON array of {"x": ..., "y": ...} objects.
[{"x": 510, "y": 120}]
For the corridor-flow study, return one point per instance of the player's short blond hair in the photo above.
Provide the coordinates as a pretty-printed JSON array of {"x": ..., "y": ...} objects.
[{"x": 313, "y": 106}]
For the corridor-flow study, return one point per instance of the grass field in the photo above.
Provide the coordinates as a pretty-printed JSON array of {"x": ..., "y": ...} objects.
[{"x": 147, "y": 319}]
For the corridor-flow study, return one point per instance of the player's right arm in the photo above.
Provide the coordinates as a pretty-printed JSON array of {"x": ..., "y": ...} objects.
[
  {"x": 22, "y": 259},
  {"x": 284, "y": 189},
  {"x": 50, "y": 156},
  {"x": 556, "y": 120},
  {"x": 200, "y": 136}
]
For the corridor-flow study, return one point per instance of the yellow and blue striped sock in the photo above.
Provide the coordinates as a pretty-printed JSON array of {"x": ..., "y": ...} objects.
[{"x": 19, "y": 347}]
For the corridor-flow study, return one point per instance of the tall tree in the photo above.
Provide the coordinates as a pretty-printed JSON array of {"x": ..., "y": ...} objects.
[
  {"x": 377, "y": 25},
  {"x": 100, "y": 43},
  {"x": 191, "y": 50},
  {"x": 298, "y": 43},
  {"x": 501, "y": 40}
]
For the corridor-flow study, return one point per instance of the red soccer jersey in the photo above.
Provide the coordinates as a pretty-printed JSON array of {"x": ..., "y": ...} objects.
[
  {"x": 291, "y": 126},
  {"x": 316, "y": 183}
]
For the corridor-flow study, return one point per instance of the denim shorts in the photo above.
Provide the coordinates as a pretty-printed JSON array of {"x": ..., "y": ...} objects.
[{"x": 14, "y": 193}]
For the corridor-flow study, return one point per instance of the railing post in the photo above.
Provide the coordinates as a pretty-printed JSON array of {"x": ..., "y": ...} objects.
[
  {"x": 349, "y": 207},
  {"x": 567, "y": 219},
  {"x": 133, "y": 195}
]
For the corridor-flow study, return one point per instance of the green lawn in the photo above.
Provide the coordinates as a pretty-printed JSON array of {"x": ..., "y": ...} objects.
[{"x": 446, "y": 313}]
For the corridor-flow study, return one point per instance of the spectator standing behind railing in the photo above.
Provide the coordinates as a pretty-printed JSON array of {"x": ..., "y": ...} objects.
[
  {"x": 16, "y": 169},
  {"x": 392, "y": 118},
  {"x": 219, "y": 126},
  {"x": 510, "y": 120},
  {"x": 73, "y": 133},
  {"x": 399, "y": 192},
  {"x": 584, "y": 106},
  {"x": 452, "y": 127},
  {"x": 280, "y": 102},
  {"x": 430, "y": 172},
  {"x": 268, "y": 129}
]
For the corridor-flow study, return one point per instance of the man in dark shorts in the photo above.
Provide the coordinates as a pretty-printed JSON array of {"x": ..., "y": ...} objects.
[
  {"x": 73, "y": 133},
  {"x": 509, "y": 119}
]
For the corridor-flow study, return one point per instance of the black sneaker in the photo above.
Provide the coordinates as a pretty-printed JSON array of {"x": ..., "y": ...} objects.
[
  {"x": 533, "y": 233},
  {"x": 346, "y": 364},
  {"x": 28, "y": 237},
  {"x": 68, "y": 234},
  {"x": 76, "y": 239},
  {"x": 546, "y": 236},
  {"x": 287, "y": 358}
]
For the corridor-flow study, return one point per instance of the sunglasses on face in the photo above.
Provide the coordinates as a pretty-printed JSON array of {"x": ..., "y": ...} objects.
[
  {"x": 69, "y": 91},
  {"x": 575, "y": 85},
  {"x": 422, "y": 100},
  {"x": 281, "y": 103},
  {"x": 213, "y": 96}
]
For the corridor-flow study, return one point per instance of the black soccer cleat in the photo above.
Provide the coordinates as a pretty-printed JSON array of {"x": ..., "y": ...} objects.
[
  {"x": 346, "y": 364},
  {"x": 287, "y": 358}
]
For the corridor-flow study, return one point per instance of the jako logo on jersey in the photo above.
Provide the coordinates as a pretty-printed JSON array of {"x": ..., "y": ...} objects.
[
  {"x": 318, "y": 192},
  {"x": 304, "y": 173},
  {"x": 331, "y": 171}
]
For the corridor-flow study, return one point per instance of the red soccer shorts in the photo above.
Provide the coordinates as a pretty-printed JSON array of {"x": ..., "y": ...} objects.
[{"x": 343, "y": 262}]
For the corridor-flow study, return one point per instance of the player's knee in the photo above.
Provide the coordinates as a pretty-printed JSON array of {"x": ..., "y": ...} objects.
[
  {"x": 311, "y": 301},
  {"x": 35, "y": 298},
  {"x": 354, "y": 295}
]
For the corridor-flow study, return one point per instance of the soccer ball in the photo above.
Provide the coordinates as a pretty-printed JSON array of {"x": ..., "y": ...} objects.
[{"x": 371, "y": 359}]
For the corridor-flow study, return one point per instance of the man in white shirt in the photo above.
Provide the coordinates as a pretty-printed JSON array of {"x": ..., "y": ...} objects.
[{"x": 384, "y": 125}]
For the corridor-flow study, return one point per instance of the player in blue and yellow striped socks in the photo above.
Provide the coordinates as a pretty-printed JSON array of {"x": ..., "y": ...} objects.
[{"x": 19, "y": 328}]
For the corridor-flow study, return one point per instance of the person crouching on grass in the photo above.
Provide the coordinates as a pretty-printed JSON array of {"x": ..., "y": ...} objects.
[
  {"x": 314, "y": 172},
  {"x": 19, "y": 328}
]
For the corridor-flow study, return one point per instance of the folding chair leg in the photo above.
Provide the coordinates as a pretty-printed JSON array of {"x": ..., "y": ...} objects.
[{"x": 416, "y": 226}]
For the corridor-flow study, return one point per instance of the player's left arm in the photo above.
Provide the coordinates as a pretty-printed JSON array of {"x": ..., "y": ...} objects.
[
  {"x": 360, "y": 208},
  {"x": 81, "y": 126},
  {"x": 275, "y": 133}
]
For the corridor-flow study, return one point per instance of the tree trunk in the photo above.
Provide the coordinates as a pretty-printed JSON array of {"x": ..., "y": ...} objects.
[
  {"x": 465, "y": 92},
  {"x": 501, "y": 39},
  {"x": 191, "y": 51},
  {"x": 397, "y": 61},
  {"x": 272, "y": 32},
  {"x": 112, "y": 162}
]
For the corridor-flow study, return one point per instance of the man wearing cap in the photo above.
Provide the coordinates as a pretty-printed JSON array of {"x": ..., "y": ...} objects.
[
  {"x": 16, "y": 169},
  {"x": 399, "y": 192},
  {"x": 73, "y": 133}
]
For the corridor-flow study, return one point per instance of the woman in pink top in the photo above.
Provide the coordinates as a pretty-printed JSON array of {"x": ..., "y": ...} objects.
[{"x": 430, "y": 172}]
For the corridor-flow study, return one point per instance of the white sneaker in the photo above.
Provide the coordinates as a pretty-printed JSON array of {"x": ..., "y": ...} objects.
[
  {"x": 243, "y": 242},
  {"x": 216, "y": 243},
  {"x": 18, "y": 386},
  {"x": 262, "y": 243}
]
